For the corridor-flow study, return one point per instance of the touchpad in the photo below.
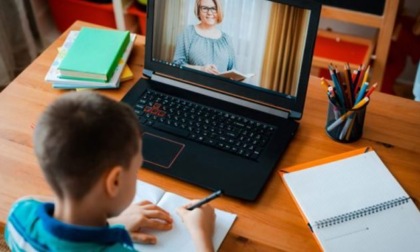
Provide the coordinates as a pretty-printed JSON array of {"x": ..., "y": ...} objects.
[{"x": 160, "y": 151}]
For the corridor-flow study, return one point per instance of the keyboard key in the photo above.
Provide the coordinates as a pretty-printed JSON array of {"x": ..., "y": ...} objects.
[
  {"x": 219, "y": 129},
  {"x": 170, "y": 129}
]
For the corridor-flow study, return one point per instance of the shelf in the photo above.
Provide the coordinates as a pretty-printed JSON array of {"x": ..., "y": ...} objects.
[{"x": 336, "y": 48}]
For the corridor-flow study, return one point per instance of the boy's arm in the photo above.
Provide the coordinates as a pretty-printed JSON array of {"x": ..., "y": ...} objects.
[{"x": 200, "y": 224}]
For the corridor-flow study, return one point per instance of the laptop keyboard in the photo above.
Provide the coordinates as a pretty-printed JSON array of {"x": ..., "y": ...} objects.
[{"x": 213, "y": 127}]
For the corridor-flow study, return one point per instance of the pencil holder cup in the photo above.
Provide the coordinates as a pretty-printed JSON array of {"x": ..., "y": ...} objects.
[{"x": 345, "y": 126}]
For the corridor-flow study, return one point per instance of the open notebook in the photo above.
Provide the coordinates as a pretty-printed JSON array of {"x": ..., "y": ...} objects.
[
  {"x": 178, "y": 238},
  {"x": 355, "y": 204}
]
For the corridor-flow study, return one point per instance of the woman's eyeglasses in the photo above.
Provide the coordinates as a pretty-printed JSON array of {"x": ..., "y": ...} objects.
[{"x": 206, "y": 9}]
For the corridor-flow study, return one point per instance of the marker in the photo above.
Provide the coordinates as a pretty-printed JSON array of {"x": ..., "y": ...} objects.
[{"x": 205, "y": 200}]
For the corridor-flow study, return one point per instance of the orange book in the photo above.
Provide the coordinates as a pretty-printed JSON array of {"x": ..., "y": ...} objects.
[
  {"x": 352, "y": 202},
  {"x": 312, "y": 164},
  {"x": 323, "y": 160}
]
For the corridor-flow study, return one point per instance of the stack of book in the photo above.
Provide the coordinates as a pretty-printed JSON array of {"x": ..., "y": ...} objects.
[{"x": 92, "y": 58}]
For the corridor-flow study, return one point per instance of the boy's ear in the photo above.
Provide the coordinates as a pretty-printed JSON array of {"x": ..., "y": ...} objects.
[{"x": 113, "y": 181}]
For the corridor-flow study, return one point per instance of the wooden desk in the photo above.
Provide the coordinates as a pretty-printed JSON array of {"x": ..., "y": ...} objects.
[{"x": 273, "y": 223}]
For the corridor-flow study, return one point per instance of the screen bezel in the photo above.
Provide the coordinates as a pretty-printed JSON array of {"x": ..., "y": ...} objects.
[{"x": 294, "y": 104}]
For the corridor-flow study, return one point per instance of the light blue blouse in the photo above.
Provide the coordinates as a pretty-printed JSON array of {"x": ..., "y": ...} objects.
[{"x": 194, "y": 49}]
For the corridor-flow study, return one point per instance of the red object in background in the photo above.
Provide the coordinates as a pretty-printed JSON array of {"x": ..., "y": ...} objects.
[
  {"x": 323, "y": 72},
  {"x": 141, "y": 17},
  {"x": 66, "y": 12},
  {"x": 341, "y": 50},
  {"x": 406, "y": 45}
]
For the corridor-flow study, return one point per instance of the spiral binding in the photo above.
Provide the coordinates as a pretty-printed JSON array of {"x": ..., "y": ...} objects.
[{"x": 361, "y": 212}]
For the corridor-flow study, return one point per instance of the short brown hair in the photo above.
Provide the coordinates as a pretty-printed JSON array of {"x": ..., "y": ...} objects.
[
  {"x": 219, "y": 10},
  {"x": 80, "y": 136}
]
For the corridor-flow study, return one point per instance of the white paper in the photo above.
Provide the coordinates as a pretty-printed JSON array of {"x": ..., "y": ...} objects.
[
  {"x": 178, "y": 238},
  {"x": 351, "y": 184}
]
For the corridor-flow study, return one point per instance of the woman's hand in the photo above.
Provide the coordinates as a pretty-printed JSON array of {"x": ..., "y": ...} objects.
[
  {"x": 211, "y": 68},
  {"x": 143, "y": 215},
  {"x": 200, "y": 224}
]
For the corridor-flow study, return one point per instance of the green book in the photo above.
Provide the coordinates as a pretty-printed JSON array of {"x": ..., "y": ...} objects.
[{"x": 94, "y": 54}]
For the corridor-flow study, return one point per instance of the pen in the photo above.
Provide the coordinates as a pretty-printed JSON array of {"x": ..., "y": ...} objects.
[{"x": 205, "y": 200}]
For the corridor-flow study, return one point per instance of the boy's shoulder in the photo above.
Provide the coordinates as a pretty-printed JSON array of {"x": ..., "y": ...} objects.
[
  {"x": 24, "y": 210},
  {"x": 27, "y": 228},
  {"x": 20, "y": 224},
  {"x": 26, "y": 203}
]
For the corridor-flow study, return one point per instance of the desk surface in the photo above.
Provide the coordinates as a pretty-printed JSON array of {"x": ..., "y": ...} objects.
[{"x": 273, "y": 222}]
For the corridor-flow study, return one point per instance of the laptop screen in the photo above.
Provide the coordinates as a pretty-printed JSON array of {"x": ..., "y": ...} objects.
[{"x": 257, "y": 50}]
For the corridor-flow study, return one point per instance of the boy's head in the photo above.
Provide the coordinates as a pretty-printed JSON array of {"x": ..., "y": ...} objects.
[{"x": 80, "y": 137}]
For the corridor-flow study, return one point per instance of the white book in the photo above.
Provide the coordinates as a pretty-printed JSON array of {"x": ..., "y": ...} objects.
[
  {"x": 65, "y": 85},
  {"x": 53, "y": 74},
  {"x": 178, "y": 238},
  {"x": 355, "y": 204}
]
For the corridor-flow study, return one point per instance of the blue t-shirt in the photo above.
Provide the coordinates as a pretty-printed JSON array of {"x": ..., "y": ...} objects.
[
  {"x": 31, "y": 227},
  {"x": 194, "y": 49}
]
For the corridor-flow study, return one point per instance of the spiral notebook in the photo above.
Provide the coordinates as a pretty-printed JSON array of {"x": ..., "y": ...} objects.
[{"x": 355, "y": 204}]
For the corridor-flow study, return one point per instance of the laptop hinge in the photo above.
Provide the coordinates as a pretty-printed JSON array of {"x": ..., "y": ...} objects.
[
  {"x": 295, "y": 115},
  {"x": 220, "y": 96},
  {"x": 147, "y": 73}
]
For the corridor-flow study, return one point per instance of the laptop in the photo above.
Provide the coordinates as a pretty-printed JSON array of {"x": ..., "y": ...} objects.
[{"x": 218, "y": 109}]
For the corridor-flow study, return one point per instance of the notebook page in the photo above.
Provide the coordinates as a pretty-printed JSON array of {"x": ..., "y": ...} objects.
[
  {"x": 146, "y": 191},
  {"x": 395, "y": 229},
  {"x": 343, "y": 186},
  {"x": 178, "y": 238}
]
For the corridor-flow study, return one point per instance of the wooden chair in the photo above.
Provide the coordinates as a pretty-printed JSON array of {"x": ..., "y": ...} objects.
[{"x": 383, "y": 23}]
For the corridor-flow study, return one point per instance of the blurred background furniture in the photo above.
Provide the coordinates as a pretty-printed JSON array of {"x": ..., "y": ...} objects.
[
  {"x": 416, "y": 87},
  {"x": 378, "y": 14},
  {"x": 120, "y": 14}
]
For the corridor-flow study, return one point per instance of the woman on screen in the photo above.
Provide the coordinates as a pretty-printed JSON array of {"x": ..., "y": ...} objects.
[{"x": 203, "y": 46}]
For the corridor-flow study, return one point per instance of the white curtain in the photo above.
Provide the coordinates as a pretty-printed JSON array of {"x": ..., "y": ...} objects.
[
  {"x": 246, "y": 22},
  {"x": 17, "y": 44}
]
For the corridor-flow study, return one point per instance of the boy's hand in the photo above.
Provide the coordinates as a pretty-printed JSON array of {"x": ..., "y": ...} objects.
[
  {"x": 143, "y": 215},
  {"x": 200, "y": 224}
]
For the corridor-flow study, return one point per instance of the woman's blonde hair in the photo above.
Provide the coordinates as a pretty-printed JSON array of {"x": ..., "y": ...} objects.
[{"x": 219, "y": 10}]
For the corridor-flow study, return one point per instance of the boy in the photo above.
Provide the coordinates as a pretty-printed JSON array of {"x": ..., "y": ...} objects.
[{"x": 89, "y": 149}]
